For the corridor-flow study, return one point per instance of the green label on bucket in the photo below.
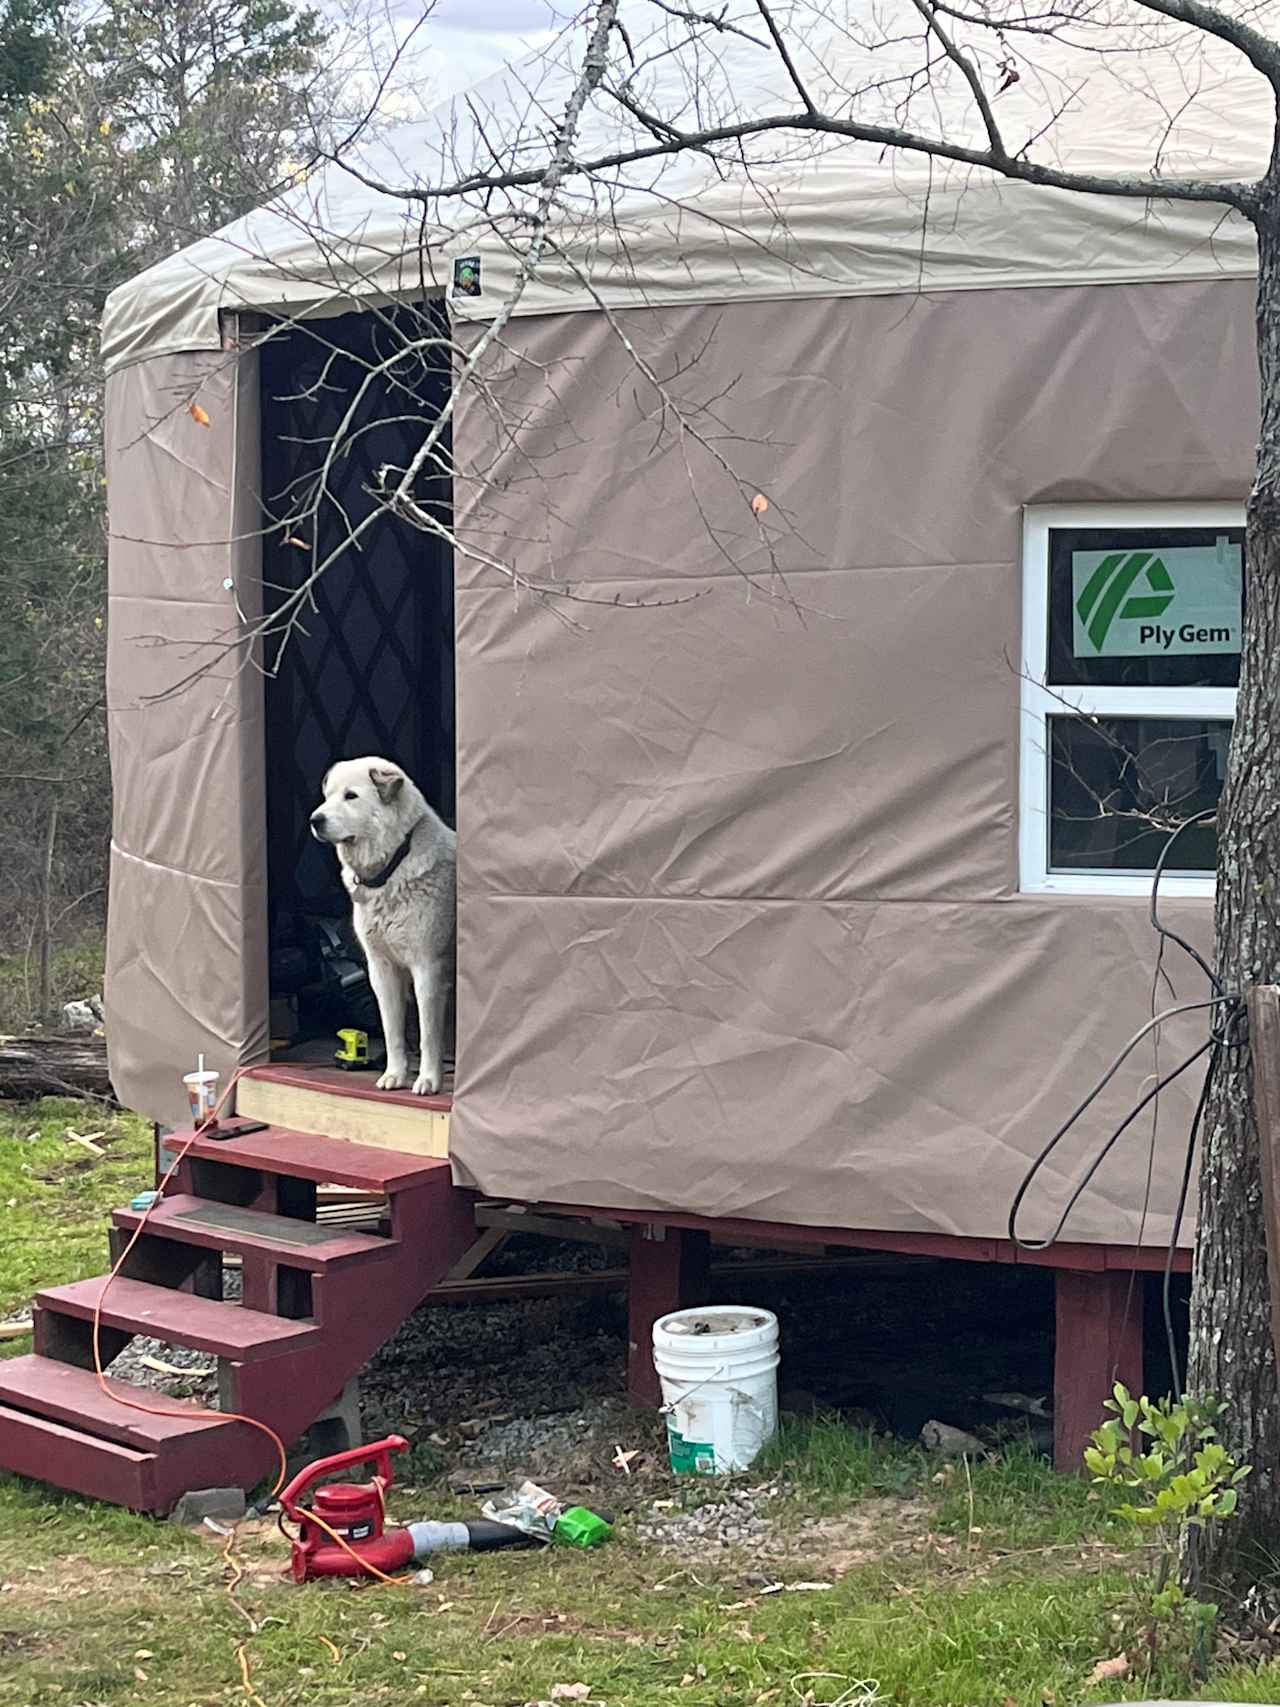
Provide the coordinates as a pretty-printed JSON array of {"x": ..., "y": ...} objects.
[{"x": 690, "y": 1456}]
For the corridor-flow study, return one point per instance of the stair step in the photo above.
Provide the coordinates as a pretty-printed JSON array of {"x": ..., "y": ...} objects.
[
  {"x": 222, "y": 1227},
  {"x": 100, "y": 1469},
  {"x": 72, "y": 1396},
  {"x": 307, "y": 1155},
  {"x": 180, "y": 1318},
  {"x": 56, "y": 1423}
]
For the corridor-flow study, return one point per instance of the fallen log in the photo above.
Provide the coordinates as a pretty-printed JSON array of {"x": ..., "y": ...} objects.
[{"x": 32, "y": 1067}]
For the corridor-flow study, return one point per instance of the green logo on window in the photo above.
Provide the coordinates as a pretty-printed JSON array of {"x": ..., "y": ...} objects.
[{"x": 1106, "y": 593}]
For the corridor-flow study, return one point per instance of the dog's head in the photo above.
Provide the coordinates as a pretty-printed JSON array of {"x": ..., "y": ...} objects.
[{"x": 362, "y": 800}]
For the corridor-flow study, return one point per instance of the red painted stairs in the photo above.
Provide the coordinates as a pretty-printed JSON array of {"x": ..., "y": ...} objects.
[{"x": 317, "y": 1303}]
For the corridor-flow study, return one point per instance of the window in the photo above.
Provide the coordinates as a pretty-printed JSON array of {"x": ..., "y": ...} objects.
[{"x": 1131, "y": 619}]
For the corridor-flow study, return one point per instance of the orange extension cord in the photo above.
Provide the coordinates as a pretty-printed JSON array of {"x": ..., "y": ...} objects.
[{"x": 188, "y": 1411}]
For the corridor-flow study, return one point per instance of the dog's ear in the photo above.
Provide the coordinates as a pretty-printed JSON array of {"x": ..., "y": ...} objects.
[
  {"x": 388, "y": 783},
  {"x": 324, "y": 781}
]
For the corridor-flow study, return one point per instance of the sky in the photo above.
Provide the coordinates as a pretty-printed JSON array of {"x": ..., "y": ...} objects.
[{"x": 464, "y": 40}]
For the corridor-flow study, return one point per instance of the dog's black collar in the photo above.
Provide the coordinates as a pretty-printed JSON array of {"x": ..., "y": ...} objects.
[{"x": 389, "y": 869}]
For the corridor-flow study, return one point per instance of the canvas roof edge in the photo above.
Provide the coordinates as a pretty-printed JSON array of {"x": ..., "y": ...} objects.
[{"x": 809, "y": 222}]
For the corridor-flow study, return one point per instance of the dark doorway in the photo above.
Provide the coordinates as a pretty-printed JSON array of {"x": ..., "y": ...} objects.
[{"x": 368, "y": 666}]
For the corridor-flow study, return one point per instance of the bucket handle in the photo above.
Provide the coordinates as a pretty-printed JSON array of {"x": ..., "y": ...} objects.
[{"x": 669, "y": 1405}]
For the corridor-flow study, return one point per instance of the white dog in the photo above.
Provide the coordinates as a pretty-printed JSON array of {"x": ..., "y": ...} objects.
[{"x": 399, "y": 863}]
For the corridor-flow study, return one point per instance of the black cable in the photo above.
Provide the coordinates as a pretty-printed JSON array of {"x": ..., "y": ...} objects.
[
  {"x": 1184, "y": 1189},
  {"x": 1160, "y": 1085},
  {"x": 1135, "y": 1275},
  {"x": 1163, "y": 930},
  {"x": 1227, "y": 1031},
  {"x": 1031, "y": 1173}
]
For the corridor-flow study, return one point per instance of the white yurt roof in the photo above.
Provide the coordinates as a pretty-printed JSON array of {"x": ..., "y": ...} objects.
[{"x": 796, "y": 215}]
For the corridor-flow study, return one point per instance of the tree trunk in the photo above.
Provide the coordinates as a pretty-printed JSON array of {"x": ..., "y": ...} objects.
[
  {"x": 46, "y": 926},
  {"x": 33, "y": 1067},
  {"x": 1232, "y": 1351}
]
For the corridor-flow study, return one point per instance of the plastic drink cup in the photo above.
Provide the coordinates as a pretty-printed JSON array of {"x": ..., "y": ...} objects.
[{"x": 202, "y": 1096}]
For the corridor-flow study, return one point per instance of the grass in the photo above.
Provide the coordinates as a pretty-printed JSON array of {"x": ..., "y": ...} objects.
[
  {"x": 56, "y": 1195},
  {"x": 979, "y": 1587},
  {"x": 145, "y": 1619}
]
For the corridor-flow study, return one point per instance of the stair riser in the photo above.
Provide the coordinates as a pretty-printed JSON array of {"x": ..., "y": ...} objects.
[
  {"x": 244, "y": 1188},
  {"x": 211, "y": 1455},
  {"x": 413, "y": 1131},
  {"x": 41, "y": 1449}
]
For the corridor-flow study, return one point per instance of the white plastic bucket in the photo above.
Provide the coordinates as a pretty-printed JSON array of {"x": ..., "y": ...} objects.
[{"x": 719, "y": 1372}]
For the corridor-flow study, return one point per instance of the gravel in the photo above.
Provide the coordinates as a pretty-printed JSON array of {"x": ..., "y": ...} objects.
[
  {"x": 201, "y": 1385},
  {"x": 735, "y": 1519},
  {"x": 465, "y": 1369},
  {"x": 510, "y": 1443}
]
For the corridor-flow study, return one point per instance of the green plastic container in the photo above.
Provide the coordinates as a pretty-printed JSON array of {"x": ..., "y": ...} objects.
[{"x": 578, "y": 1527}]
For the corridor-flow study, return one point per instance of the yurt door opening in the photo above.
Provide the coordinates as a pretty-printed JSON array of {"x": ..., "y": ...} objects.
[{"x": 366, "y": 665}]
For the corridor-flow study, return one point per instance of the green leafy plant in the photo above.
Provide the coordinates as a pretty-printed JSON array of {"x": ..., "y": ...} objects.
[{"x": 1165, "y": 1458}]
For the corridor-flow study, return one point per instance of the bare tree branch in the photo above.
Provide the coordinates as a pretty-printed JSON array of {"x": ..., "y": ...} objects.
[
  {"x": 1242, "y": 195},
  {"x": 1261, "y": 52}
]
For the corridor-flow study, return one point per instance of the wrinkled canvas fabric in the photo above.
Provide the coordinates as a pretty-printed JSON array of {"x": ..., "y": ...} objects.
[
  {"x": 740, "y": 930},
  {"x": 740, "y": 922},
  {"x": 186, "y": 946}
]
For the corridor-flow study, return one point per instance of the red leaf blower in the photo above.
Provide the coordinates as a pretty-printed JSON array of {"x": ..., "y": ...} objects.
[{"x": 357, "y": 1512}]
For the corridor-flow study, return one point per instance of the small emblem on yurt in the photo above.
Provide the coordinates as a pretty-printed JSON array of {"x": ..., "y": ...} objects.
[{"x": 466, "y": 275}]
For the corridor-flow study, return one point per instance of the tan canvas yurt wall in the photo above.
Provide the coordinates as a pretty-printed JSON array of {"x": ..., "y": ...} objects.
[
  {"x": 186, "y": 947},
  {"x": 740, "y": 930},
  {"x": 739, "y": 912}
]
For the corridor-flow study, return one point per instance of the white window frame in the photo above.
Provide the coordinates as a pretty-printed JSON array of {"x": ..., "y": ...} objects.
[{"x": 1038, "y": 703}]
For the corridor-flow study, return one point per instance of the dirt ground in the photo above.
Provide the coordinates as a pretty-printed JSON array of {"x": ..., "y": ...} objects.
[{"x": 891, "y": 1350}]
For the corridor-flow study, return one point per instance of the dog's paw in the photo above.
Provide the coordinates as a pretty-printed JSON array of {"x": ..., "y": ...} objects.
[
  {"x": 426, "y": 1084},
  {"x": 394, "y": 1081}
]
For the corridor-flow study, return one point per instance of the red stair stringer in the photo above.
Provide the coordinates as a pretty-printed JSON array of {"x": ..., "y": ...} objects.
[
  {"x": 58, "y": 1426},
  {"x": 358, "y": 1311}
]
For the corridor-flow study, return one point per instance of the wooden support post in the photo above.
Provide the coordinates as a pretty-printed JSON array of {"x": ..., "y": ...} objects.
[
  {"x": 1264, "y": 1047},
  {"x": 1098, "y": 1341},
  {"x": 669, "y": 1271}
]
